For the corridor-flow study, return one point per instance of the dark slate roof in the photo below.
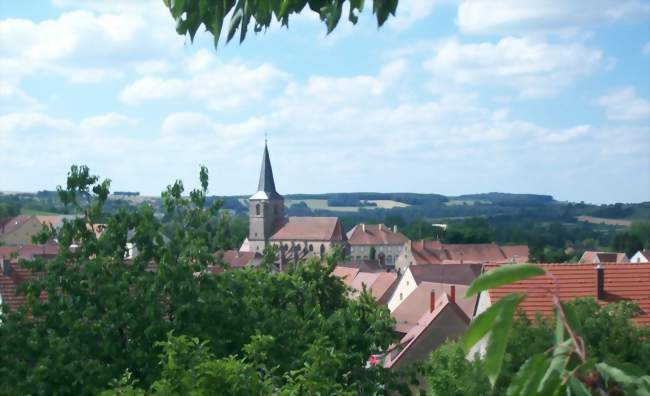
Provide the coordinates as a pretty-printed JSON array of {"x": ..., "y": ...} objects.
[
  {"x": 267, "y": 184},
  {"x": 456, "y": 274}
]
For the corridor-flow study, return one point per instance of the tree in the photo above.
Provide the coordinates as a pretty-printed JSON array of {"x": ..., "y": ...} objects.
[
  {"x": 627, "y": 242},
  {"x": 101, "y": 318},
  {"x": 191, "y": 14},
  {"x": 449, "y": 373}
]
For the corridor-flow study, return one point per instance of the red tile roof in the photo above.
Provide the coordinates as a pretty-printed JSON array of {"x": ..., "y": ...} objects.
[
  {"x": 11, "y": 224},
  {"x": 434, "y": 252},
  {"x": 237, "y": 259},
  {"x": 591, "y": 257},
  {"x": 347, "y": 274},
  {"x": 418, "y": 302},
  {"x": 310, "y": 229},
  {"x": 516, "y": 253},
  {"x": 375, "y": 234},
  {"x": 29, "y": 251},
  {"x": 363, "y": 265},
  {"x": 9, "y": 284},
  {"x": 622, "y": 282}
]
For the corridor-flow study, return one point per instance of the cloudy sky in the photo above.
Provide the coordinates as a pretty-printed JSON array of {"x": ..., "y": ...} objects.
[{"x": 450, "y": 97}]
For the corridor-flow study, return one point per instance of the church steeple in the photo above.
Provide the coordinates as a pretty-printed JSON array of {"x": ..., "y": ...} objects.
[
  {"x": 266, "y": 183},
  {"x": 266, "y": 207}
]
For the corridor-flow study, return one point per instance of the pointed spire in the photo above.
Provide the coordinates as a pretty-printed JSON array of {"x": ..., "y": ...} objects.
[{"x": 267, "y": 184}]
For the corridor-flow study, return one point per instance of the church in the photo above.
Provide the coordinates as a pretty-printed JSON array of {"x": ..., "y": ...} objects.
[{"x": 296, "y": 237}]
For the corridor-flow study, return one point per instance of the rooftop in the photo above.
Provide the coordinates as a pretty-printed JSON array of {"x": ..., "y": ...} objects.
[
  {"x": 310, "y": 229},
  {"x": 375, "y": 234},
  {"x": 622, "y": 282}
]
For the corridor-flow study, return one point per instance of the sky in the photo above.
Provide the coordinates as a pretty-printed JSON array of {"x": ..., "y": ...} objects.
[{"x": 449, "y": 97}]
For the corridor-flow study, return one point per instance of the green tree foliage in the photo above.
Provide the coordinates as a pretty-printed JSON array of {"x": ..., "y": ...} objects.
[
  {"x": 449, "y": 373},
  {"x": 471, "y": 230},
  {"x": 627, "y": 242},
  {"x": 9, "y": 210},
  {"x": 191, "y": 14},
  {"x": 104, "y": 317}
]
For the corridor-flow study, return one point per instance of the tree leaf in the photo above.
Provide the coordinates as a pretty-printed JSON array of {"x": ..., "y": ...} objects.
[
  {"x": 578, "y": 388},
  {"x": 499, "y": 335},
  {"x": 503, "y": 275},
  {"x": 528, "y": 376},
  {"x": 482, "y": 324}
]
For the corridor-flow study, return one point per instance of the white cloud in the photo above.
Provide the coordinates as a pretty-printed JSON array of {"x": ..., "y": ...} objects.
[
  {"x": 84, "y": 46},
  {"x": 646, "y": 48},
  {"x": 624, "y": 105},
  {"x": 516, "y": 16},
  {"x": 106, "y": 121},
  {"x": 532, "y": 67},
  {"x": 410, "y": 12},
  {"x": 219, "y": 85},
  {"x": 152, "y": 67},
  {"x": 15, "y": 99}
]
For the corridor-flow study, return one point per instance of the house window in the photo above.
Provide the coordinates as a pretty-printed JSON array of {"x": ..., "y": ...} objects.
[
  {"x": 257, "y": 211},
  {"x": 381, "y": 248}
]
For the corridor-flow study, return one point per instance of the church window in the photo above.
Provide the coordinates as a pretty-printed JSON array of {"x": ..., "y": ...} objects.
[
  {"x": 311, "y": 247},
  {"x": 257, "y": 211}
]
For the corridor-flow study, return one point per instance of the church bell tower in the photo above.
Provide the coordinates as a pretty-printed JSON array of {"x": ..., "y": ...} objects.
[{"x": 266, "y": 208}]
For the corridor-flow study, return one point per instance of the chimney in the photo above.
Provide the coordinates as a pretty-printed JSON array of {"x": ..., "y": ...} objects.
[
  {"x": 452, "y": 293},
  {"x": 6, "y": 266},
  {"x": 394, "y": 228},
  {"x": 380, "y": 226},
  {"x": 363, "y": 227},
  {"x": 432, "y": 301},
  {"x": 422, "y": 243},
  {"x": 600, "y": 282}
]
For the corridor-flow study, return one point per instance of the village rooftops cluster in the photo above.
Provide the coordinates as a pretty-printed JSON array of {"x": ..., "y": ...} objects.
[{"x": 429, "y": 305}]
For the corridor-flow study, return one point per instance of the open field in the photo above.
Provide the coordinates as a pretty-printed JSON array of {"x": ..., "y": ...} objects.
[
  {"x": 602, "y": 220},
  {"x": 321, "y": 204},
  {"x": 453, "y": 202},
  {"x": 388, "y": 203},
  {"x": 32, "y": 212}
]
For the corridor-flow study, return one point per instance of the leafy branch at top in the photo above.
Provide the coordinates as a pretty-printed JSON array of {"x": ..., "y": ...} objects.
[{"x": 191, "y": 14}]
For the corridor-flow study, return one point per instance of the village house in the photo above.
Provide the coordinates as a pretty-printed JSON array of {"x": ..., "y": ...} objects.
[
  {"x": 590, "y": 257},
  {"x": 369, "y": 276},
  {"x": 436, "y": 252},
  {"x": 19, "y": 230},
  {"x": 442, "y": 320},
  {"x": 458, "y": 275},
  {"x": 295, "y": 237},
  {"x": 642, "y": 256},
  {"x": 375, "y": 242}
]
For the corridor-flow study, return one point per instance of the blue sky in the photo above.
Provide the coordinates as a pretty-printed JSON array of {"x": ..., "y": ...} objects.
[{"x": 450, "y": 97}]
